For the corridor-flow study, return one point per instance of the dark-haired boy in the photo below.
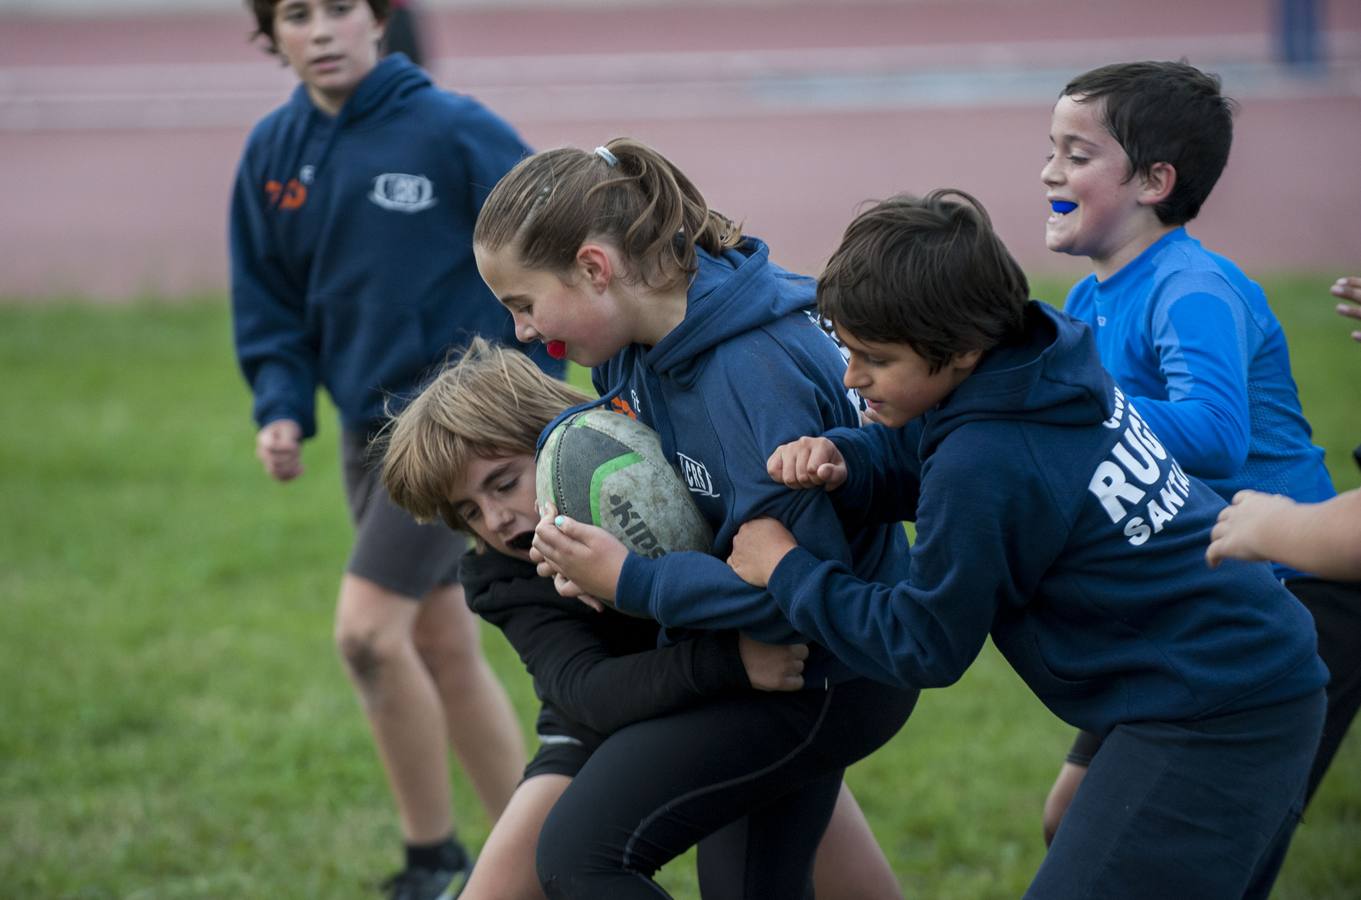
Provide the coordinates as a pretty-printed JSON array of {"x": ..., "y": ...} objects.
[
  {"x": 1137, "y": 149},
  {"x": 1050, "y": 517},
  {"x": 352, "y": 268}
]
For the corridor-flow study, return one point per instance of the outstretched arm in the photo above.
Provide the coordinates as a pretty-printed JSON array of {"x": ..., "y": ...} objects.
[
  {"x": 973, "y": 554},
  {"x": 873, "y": 473},
  {"x": 1204, "y": 338},
  {"x": 1323, "y": 539}
]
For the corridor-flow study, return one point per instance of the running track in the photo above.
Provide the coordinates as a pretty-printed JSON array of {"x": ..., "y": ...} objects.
[{"x": 119, "y": 136}]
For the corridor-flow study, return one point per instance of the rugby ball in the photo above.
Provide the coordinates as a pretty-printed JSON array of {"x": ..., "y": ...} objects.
[{"x": 608, "y": 469}]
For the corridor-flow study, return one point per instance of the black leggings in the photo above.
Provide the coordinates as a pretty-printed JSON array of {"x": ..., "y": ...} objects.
[{"x": 752, "y": 779}]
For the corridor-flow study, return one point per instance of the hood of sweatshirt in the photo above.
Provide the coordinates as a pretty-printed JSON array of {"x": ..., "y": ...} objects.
[
  {"x": 731, "y": 293},
  {"x": 1052, "y": 375}
]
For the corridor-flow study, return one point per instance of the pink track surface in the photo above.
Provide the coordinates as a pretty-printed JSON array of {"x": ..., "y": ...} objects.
[{"x": 119, "y": 136}]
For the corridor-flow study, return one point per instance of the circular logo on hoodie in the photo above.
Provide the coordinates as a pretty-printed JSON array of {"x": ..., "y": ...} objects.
[{"x": 403, "y": 193}]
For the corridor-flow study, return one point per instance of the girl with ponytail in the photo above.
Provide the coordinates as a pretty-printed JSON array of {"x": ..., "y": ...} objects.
[{"x": 613, "y": 259}]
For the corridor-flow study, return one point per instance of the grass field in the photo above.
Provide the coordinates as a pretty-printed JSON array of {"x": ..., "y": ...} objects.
[{"x": 174, "y": 722}]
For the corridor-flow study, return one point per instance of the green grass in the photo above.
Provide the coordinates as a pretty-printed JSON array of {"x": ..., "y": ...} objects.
[{"x": 174, "y": 722}]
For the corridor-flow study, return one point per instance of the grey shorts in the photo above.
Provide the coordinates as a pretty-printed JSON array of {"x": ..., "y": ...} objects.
[{"x": 391, "y": 548}]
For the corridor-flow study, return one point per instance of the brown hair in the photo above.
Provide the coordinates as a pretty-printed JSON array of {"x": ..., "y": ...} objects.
[
  {"x": 554, "y": 201},
  {"x": 492, "y": 402},
  {"x": 263, "y": 11},
  {"x": 1168, "y": 112},
  {"x": 928, "y": 272}
]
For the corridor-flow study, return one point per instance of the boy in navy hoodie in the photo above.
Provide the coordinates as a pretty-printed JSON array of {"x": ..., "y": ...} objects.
[
  {"x": 352, "y": 269},
  {"x": 1137, "y": 149},
  {"x": 1051, "y": 517}
]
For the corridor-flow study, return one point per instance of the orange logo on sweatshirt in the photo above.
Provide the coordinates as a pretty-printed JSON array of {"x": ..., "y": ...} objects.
[
  {"x": 620, "y": 405},
  {"x": 286, "y": 196}
]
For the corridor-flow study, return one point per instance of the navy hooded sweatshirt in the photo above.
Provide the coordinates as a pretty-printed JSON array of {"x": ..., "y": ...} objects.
[
  {"x": 747, "y": 369},
  {"x": 351, "y": 245},
  {"x": 1049, "y": 515}
]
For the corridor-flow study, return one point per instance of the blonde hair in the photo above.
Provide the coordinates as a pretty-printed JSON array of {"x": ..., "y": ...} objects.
[
  {"x": 554, "y": 201},
  {"x": 492, "y": 402}
]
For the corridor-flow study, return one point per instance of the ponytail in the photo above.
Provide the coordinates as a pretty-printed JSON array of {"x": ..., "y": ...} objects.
[{"x": 626, "y": 192}]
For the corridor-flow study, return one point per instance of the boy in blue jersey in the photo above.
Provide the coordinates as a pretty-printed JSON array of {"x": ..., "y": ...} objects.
[
  {"x": 352, "y": 269},
  {"x": 1050, "y": 516},
  {"x": 1137, "y": 148}
]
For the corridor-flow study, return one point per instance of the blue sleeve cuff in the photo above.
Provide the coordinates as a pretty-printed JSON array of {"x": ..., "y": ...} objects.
[
  {"x": 634, "y": 590},
  {"x": 793, "y": 571}
]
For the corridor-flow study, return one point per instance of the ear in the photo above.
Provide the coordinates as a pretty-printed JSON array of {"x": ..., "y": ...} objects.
[
  {"x": 966, "y": 361},
  {"x": 1158, "y": 184},
  {"x": 595, "y": 266}
]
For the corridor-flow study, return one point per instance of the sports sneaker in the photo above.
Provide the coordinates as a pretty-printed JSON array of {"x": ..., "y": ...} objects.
[{"x": 426, "y": 884}]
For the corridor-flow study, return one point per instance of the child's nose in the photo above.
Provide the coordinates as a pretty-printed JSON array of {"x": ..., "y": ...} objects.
[
  {"x": 524, "y": 332},
  {"x": 502, "y": 517}
]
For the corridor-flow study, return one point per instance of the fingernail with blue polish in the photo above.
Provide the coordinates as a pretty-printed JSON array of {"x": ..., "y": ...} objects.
[{"x": 559, "y": 520}]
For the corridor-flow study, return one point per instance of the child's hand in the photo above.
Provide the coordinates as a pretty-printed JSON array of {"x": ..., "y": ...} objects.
[
  {"x": 758, "y": 548},
  {"x": 1244, "y": 527},
  {"x": 808, "y": 462},
  {"x": 582, "y": 559},
  {"x": 278, "y": 446},
  {"x": 1349, "y": 289},
  {"x": 567, "y": 588},
  {"x": 772, "y": 667}
]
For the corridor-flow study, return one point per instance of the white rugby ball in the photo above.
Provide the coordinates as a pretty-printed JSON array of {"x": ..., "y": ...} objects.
[{"x": 607, "y": 469}]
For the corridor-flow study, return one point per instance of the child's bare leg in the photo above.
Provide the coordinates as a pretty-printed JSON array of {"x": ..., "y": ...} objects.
[
  {"x": 505, "y": 869},
  {"x": 849, "y": 864},
  {"x": 374, "y": 634},
  {"x": 482, "y": 727},
  {"x": 1060, "y": 797}
]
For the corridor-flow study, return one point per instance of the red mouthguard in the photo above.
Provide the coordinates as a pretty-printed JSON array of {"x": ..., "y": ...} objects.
[{"x": 557, "y": 349}]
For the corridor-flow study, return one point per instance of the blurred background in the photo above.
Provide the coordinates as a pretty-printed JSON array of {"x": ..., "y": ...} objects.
[
  {"x": 174, "y": 721},
  {"x": 121, "y": 120}
]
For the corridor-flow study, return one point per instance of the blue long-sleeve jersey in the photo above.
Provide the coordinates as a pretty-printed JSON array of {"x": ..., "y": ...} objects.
[
  {"x": 1193, "y": 342},
  {"x": 1050, "y": 515},
  {"x": 747, "y": 369},
  {"x": 351, "y": 245}
]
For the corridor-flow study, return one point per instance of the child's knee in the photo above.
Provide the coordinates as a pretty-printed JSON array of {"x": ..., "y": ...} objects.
[
  {"x": 366, "y": 650},
  {"x": 359, "y": 653}
]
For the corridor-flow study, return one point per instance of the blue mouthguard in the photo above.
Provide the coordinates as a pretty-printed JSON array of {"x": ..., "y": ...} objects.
[{"x": 1063, "y": 207}]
